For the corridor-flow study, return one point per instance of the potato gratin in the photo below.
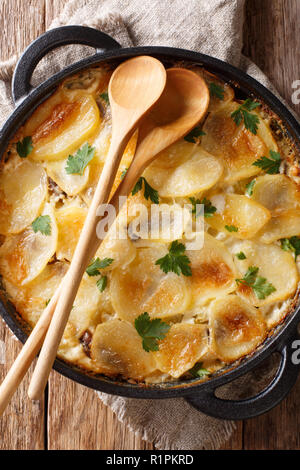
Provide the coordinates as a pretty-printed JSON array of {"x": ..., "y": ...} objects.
[{"x": 153, "y": 310}]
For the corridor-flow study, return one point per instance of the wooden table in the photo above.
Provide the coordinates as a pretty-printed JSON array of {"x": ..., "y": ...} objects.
[{"x": 71, "y": 416}]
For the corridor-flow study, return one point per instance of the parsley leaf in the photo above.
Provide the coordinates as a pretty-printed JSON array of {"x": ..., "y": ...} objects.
[
  {"x": 260, "y": 286},
  {"x": 194, "y": 134},
  {"x": 96, "y": 264},
  {"x": 124, "y": 173},
  {"x": 242, "y": 114},
  {"x": 231, "y": 228},
  {"x": 149, "y": 192},
  {"x": 42, "y": 224},
  {"x": 25, "y": 147},
  {"x": 175, "y": 260},
  {"x": 102, "y": 283},
  {"x": 216, "y": 90},
  {"x": 104, "y": 96},
  {"x": 249, "y": 277},
  {"x": 241, "y": 255},
  {"x": 150, "y": 331},
  {"x": 77, "y": 163},
  {"x": 209, "y": 209},
  {"x": 249, "y": 187},
  {"x": 269, "y": 165},
  {"x": 47, "y": 302},
  {"x": 198, "y": 370},
  {"x": 291, "y": 244}
]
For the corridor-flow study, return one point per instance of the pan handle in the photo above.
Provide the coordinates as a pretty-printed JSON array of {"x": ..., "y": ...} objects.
[
  {"x": 51, "y": 40},
  {"x": 271, "y": 396}
]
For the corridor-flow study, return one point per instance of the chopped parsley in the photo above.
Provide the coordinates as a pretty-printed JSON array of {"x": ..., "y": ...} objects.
[
  {"x": 102, "y": 283},
  {"x": 150, "y": 331},
  {"x": 104, "y": 96},
  {"x": 209, "y": 209},
  {"x": 241, "y": 255},
  {"x": 249, "y": 188},
  {"x": 124, "y": 173},
  {"x": 77, "y": 163},
  {"x": 175, "y": 261},
  {"x": 231, "y": 228},
  {"x": 259, "y": 285},
  {"x": 243, "y": 114},
  {"x": 24, "y": 147},
  {"x": 194, "y": 134},
  {"x": 269, "y": 165},
  {"x": 95, "y": 265},
  {"x": 42, "y": 224},
  {"x": 216, "y": 90},
  {"x": 198, "y": 370},
  {"x": 149, "y": 192},
  {"x": 291, "y": 244}
]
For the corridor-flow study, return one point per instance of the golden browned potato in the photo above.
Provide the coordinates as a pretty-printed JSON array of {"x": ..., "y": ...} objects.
[
  {"x": 213, "y": 271},
  {"x": 183, "y": 346},
  {"x": 235, "y": 327},
  {"x": 236, "y": 146},
  {"x": 61, "y": 125},
  {"x": 21, "y": 203},
  {"x": 242, "y": 217},
  {"x": 117, "y": 350}
]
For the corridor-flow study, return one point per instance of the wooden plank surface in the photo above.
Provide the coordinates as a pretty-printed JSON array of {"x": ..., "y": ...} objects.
[{"x": 75, "y": 417}]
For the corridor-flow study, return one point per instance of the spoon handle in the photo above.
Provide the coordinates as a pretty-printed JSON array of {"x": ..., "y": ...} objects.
[
  {"x": 28, "y": 352},
  {"x": 85, "y": 248}
]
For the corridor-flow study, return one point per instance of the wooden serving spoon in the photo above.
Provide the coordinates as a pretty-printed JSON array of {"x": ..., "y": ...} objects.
[
  {"x": 134, "y": 88},
  {"x": 181, "y": 106}
]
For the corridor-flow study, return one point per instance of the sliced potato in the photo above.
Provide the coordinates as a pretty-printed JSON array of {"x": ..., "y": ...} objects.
[
  {"x": 163, "y": 224},
  {"x": 183, "y": 346},
  {"x": 85, "y": 311},
  {"x": 236, "y": 147},
  {"x": 275, "y": 264},
  {"x": 243, "y": 213},
  {"x": 276, "y": 192},
  {"x": 93, "y": 81},
  {"x": 236, "y": 328},
  {"x": 25, "y": 255},
  {"x": 71, "y": 184},
  {"x": 70, "y": 220},
  {"x": 23, "y": 190},
  {"x": 121, "y": 250},
  {"x": 144, "y": 287},
  {"x": 183, "y": 169},
  {"x": 61, "y": 125},
  {"x": 117, "y": 350},
  {"x": 283, "y": 225},
  {"x": 31, "y": 299},
  {"x": 213, "y": 271},
  {"x": 215, "y": 102}
]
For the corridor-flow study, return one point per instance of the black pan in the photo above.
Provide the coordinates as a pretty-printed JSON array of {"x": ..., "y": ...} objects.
[{"x": 200, "y": 394}]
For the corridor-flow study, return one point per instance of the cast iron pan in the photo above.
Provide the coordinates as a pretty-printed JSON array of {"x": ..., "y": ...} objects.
[{"x": 200, "y": 394}]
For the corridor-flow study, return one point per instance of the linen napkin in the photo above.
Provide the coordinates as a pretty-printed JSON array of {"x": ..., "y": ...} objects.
[{"x": 213, "y": 27}]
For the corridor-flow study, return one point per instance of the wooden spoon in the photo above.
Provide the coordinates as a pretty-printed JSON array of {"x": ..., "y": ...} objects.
[
  {"x": 134, "y": 88},
  {"x": 182, "y": 105}
]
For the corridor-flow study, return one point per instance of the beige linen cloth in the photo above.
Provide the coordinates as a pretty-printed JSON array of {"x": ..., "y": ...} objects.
[{"x": 213, "y": 27}]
